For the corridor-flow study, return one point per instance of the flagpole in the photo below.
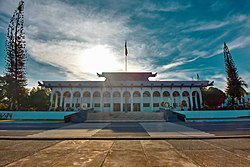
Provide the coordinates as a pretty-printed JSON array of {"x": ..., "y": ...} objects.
[
  {"x": 126, "y": 62},
  {"x": 126, "y": 56}
]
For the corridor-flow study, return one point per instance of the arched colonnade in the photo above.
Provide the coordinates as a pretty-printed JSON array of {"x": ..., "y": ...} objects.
[{"x": 126, "y": 99}]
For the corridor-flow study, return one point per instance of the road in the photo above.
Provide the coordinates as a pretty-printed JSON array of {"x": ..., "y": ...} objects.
[
  {"x": 222, "y": 128},
  {"x": 217, "y": 128}
]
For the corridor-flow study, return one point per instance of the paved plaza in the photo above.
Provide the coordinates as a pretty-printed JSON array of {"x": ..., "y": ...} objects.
[
  {"x": 124, "y": 144},
  {"x": 94, "y": 153}
]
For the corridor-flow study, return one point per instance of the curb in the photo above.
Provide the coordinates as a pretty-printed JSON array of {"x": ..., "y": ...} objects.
[{"x": 127, "y": 138}]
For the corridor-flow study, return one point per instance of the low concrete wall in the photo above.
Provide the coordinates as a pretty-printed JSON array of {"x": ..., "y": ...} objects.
[
  {"x": 34, "y": 115},
  {"x": 218, "y": 114}
]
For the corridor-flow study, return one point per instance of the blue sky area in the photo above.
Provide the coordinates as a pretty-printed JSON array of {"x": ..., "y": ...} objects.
[{"x": 74, "y": 39}]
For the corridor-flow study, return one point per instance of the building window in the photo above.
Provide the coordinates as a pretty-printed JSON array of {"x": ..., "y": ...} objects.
[
  {"x": 146, "y": 104},
  {"x": 156, "y": 104},
  {"x": 106, "y": 104},
  {"x": 97, "y": 105}
]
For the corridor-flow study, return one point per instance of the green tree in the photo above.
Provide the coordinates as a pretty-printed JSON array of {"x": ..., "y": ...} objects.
[
  {"x": 16, "y": 58},
  {"x": 6, "y": 94},
  {"x": 39, "y": 98},
  {"x": 4, "y": 104},
  {"x": 235, "y": 85},
  {"x": 213, "y": 97}
]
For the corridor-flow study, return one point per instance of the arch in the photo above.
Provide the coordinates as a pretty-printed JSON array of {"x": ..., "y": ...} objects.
[
  {"x": 166, "y": 99},
  {"x": 86, "y": 94},
  {"x": 96, "y": 94},
  {"x": 56, "y": 100},
  {"x": 97, "y": 100},
  {"x": 156, "y": 94},
  {"x": 126, "y": 93},
  {"x": 86, "y": 99},
  {"x": 106, "y": 94},
  {"x": 116, "y": 101},
  {"x": 136, "y": 101},
  {"x": 186, "y": 103},
  {"x": 116, "y": 94},
  {"x": 176, "y": 94},
  {"x": 176, "y": 99},
  {"x": 106, "y": 101},
  {"x": 196, "y": 100},
  {"x": 156, "y": 100},
  {"x": 76, "y": 99},
  {"x": 146, "y": 94},
  {"x": 166, "y": 94},
  {"x": 126, "y": 101},
  {"x": 136, "y": 94},
  {"x": 185, "y": 94},
  {"x": 66, "y": 100},
  {"x": 146, "y": 101}
]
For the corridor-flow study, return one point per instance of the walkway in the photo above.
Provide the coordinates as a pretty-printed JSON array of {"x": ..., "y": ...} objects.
[{"x": 122, "y": 130}]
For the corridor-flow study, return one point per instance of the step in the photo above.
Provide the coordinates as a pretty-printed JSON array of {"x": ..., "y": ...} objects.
[{"x": 125, "y": 116}]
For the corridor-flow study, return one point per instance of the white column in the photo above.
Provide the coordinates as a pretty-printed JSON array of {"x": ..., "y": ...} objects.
[
  {"x": 61, "y": 99},
  {"x": 101, "y": 101},
  {"x": 56, "y": 101},
  {"x": 51, "y": 99},
  {"x": 91, "y": 100},
  {"x": 151, "y": 101},
  {"x": 64, "y": 105},
  {"x": 81, "y": 98},
  {"x": 196, "y": 100},
  {"x": 111, "y": 101},
  {"x": 161, "y": 96},
  {"x": 181, "y": 97},
  {"x": 200, "y": 99},
  {"x": 131, "y": 102},
  {"x": 121, "y": 102},
  {"x": 171, "y": 98},
  {"x": 191, "y": 100},
  {"x": 71, "y": 99},
  {"x": 141, "y": 102}
]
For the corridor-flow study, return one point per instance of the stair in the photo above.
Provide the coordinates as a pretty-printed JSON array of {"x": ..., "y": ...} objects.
[{"x": 124, "y": 116}]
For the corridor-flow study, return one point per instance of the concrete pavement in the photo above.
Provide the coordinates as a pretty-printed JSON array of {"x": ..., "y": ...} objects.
[
  {"x": 145, "y": 130},
  {"x": 133, "y": 153},
  {"x": 146, "y": 144}
]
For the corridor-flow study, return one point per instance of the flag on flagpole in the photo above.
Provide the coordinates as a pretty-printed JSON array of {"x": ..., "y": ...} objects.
[
  {"x": 126, "y": 49},
  {"x": 198, "y": 77}
]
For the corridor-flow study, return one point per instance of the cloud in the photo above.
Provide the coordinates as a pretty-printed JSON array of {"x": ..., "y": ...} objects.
[
  {"x": 240, "y": 42},
  {"x": 210, "y": 26},
  {"x": 76, "y": 38},
  {"x": 80, "y": 38},
  {"x": 166, "y": 7}
]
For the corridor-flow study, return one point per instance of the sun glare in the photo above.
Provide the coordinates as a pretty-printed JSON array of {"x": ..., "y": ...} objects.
[{"x": 98, "y": 59}]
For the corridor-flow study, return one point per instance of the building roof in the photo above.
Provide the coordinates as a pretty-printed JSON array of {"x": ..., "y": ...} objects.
[
  {"x": 127, "y": 76},
  {"x": 125, "y": 79}
]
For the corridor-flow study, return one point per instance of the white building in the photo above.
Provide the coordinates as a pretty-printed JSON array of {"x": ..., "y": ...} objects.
[{"x": 125, "y": 91}]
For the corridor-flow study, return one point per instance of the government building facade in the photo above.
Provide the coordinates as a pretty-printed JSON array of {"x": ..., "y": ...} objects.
[{"x": 125, "y": 92}]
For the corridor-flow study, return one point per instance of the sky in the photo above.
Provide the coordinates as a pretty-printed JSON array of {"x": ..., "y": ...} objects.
[{"x": 75, "y": 39}]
